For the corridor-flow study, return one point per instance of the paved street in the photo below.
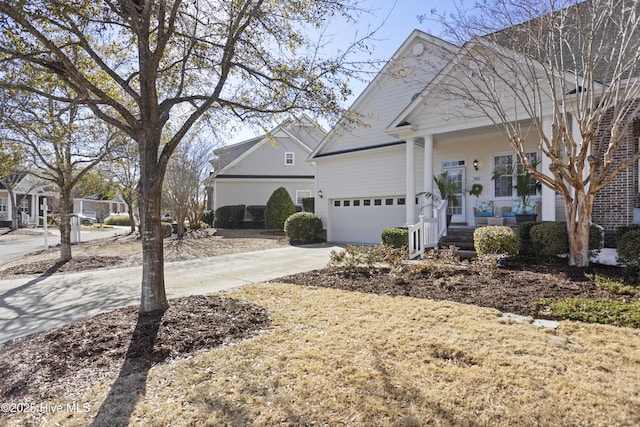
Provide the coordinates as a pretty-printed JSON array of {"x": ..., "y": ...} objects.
[
  {"x": 13, "y": 247},
  {"x": 41, "y": 303}
]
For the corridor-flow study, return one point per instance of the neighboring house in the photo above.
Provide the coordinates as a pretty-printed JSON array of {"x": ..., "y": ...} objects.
[
  {"x": 373, "y": 177},
  {"x": 97, "y": 208},
  {"x": 29, "y": 196},
  {"x": 247, "y": 173}
]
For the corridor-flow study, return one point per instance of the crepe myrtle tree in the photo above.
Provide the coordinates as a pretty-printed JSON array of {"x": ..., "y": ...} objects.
[
  {"x": 543, "y": 68},
  {"x": 153, "y": 68}
]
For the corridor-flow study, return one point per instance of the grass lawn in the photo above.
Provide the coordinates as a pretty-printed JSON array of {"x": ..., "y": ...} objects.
[{"x": 334, "y": 357}]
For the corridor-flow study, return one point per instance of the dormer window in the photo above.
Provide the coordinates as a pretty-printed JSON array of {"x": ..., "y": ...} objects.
[{"x": 288, "y": 158}]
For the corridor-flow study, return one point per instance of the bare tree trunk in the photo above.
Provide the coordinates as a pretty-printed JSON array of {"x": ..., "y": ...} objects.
[
  {"x": 14, "y": 208},
  {"x": 132, "y": 219},
  {"x": 65, "y": 226},
  {"x": 578, "y": 227},
  {"x": 153, "y": 296}
]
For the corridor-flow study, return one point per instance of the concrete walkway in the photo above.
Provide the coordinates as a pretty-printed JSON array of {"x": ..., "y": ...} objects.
[{"x": 33, "y": 305}]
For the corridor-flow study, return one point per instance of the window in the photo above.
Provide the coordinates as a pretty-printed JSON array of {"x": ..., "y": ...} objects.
[
  {"x": 356, "y": 203},
  {"x": 377, "y": 202},
  {"x": 401, "y": 201},
  {"x": 388, "y": 202},
  {"x": 3, "y": 208},
  {"x": 366, "y": 202},
  {"x": 504, "y": 185},
  {"x": 288, "y": 158},
  {"x": 302, "y": 194},
  {"x": 24, "y": 205},
  {"x": 347, "y": 203},
  {"x": 336, "y": 203}
]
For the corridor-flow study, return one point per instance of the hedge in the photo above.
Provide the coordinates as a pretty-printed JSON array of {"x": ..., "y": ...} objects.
[
  {"x": 498, "y": 239},
  {"x": 231, "y": 216},
  {"x": 395, "y": 237},
  {"x": 303, "y": 228}
]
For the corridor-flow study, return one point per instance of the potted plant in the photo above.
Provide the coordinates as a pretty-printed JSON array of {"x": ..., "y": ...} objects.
[
  {"x": 449, "y": 190},
  {"x": 525, "y": 186}
]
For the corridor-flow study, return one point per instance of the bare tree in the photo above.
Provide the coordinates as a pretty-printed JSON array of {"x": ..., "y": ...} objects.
[
  {"x": 184, "y": 183},
  {"x": 153, "y": 68},
  {"x": 64, "y": 145},
  {"x": 548, "y": 67},
  {"x": 126, "y": 174}
]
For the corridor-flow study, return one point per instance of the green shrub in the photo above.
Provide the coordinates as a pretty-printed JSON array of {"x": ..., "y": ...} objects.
[
  {"x": 604, "y": 311},
  {"x": 596, "y": 237},
  {"x": 623, "y": 229},
  {"x": 550, "y": 238},
  {"x": 524, "y": 230},
  {"x": 167, "y": 229},
  {"x": 279, "y": 208},
  {"x": 496, "y": 240},
  {"x": 123, "y": 220},
  {"x": 257, "y": 212},
  {"x": 629, "y": 249},
  {"x": 395, "y": 237},
  {"x": 231, "y": 216},
  {"x": 613, "y": 286},
  {"x": 303, "y": 228},
  {"x": 207, "y": 217},
  {"x": 309, "y": 204}
]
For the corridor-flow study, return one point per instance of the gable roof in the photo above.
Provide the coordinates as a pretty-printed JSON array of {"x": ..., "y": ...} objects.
[
  {"x": 373, "y": 88},
  {"x": 226, "y": 157},
  {"x": 503, "y": 41},
  {"x": 14, "y": 179}
]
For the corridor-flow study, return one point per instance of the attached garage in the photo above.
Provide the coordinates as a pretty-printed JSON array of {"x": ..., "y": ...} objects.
[{"x": 361, "y": 220}]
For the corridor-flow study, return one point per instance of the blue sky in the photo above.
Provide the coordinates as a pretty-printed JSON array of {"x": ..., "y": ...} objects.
[{"x": 397, "y": 17}]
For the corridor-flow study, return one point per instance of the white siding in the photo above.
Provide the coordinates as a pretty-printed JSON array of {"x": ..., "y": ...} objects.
[
  {"x": 388, "y": 95},
  {"x": 255, "y": 192},
  {"x": 268, "y": 159}
]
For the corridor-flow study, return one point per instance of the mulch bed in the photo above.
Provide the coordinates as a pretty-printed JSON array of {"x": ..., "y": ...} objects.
[
  {"x": 74, "y": 357},
  {"x": 74, "y": 265},
  {"x": 515, "y": 288}
]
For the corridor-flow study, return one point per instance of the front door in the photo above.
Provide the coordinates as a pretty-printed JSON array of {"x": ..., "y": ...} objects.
[{"x": 457, "y": 175}]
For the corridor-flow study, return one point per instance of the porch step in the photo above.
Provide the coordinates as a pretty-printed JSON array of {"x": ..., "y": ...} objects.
[{"x": 460, "y": 236}]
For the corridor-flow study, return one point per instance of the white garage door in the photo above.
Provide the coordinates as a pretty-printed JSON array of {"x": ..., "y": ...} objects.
[{"x": 361, "y": 220}]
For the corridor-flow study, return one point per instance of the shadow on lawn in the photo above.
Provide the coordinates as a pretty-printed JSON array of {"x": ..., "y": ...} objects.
[{"x": 119, "y": 404}]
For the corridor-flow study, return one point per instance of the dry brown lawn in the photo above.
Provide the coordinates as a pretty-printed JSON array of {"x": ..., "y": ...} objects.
[{"x": 334, "y": 357}]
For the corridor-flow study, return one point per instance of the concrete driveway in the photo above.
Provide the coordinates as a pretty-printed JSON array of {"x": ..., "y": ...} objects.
[{"x": 33, "y": 305}]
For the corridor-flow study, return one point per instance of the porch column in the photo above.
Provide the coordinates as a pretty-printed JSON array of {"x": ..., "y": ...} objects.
[
  {"x": 548, "y": 195},
  {"x": 428, "y": 172},
  {"x": 10, "y": 205},
  {"x": 410, "y": 199}
]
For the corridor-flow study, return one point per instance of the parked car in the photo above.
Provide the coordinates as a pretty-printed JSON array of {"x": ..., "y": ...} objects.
[{"x": 86, "y": 220}]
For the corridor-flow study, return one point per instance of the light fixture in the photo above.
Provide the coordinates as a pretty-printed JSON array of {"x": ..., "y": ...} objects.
[
  {"x": 320, "y": 193},
  {"x": 475, "y": 164}
]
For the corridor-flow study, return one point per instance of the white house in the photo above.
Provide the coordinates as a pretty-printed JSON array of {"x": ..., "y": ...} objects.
[
  {"x": 375, "y": 176},
  {"x": 29, "y": 194},
  {"x": 247, "y": 173}
]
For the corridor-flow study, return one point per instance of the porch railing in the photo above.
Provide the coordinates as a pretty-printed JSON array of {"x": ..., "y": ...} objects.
[{"x": 428, "y": 231}]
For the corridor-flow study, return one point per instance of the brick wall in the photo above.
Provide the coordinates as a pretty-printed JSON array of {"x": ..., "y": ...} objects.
[{"x": 613, "y": 206}]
